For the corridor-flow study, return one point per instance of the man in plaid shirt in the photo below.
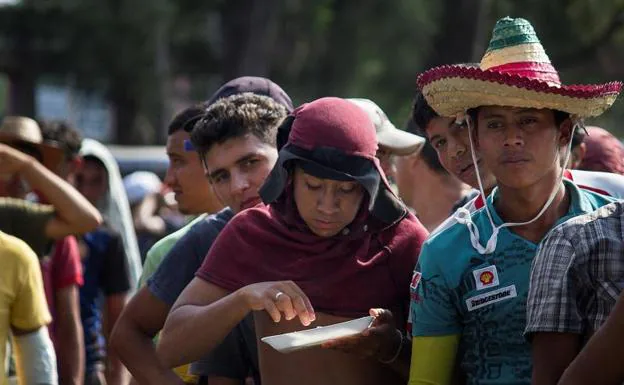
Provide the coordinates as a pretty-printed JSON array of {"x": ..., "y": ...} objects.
[{"x": 576, "y": 278}]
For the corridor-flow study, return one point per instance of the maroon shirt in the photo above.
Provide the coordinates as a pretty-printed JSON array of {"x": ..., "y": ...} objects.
[
  {"x": 342, "y": 275},
  {"x": 61, "y": 269}
]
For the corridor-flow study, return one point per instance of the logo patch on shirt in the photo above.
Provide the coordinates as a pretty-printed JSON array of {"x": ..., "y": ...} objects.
[
  {"x": 485, "y": 299},
  {"x": 415, "y": 280},
  {"x": 486, "y": 277}
]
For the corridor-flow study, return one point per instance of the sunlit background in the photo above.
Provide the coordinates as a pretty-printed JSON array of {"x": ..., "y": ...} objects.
[{"x": 120, "y": 69}]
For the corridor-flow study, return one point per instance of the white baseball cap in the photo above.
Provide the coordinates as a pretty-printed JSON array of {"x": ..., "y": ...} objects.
[
  {"x": 397, "y": 141},
  {"x": 140, "y": 184}
]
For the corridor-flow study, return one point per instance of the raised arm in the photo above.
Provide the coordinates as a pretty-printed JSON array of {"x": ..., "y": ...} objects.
[{"x": 74, "y": 214}]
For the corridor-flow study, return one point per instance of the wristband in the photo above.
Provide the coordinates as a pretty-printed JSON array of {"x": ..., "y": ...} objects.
[{"x": 398, "y": 352}]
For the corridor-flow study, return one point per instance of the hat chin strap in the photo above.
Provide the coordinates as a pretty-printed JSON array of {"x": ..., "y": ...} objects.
[{"x": 463, "y": 216}]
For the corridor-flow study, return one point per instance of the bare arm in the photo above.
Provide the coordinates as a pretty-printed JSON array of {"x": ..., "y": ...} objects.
[
  {"x": 203, "y": 303},
  {"x": 116, "y": 373},
  {"x": 552, "y": 353},
  {"x": 75, "y": 215},
  {"x": 600, "y": 360},
  {"x": 70, "y": 347},
  {"x": 131, "y": 339},
  {"x": 200, "y": 304}
]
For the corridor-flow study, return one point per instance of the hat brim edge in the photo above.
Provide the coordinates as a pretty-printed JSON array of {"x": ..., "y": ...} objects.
[
  {"x": 52, "y": 156},
  {"x": 400, "y": 142},
  {"x": 451, "y": 90}
]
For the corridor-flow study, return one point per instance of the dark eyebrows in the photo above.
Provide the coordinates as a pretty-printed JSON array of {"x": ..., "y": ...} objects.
[
  {"x": 492, "y": 115},
  {"x": 174, "y": 155},
  {"x": 522, "y": 110},
  {"x": 435, "y": 137},
  {"x": 239, "y": 162},
  {"x": 245, "y": 158}
]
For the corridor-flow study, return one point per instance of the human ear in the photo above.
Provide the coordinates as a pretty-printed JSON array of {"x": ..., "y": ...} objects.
[
  {"x": 566, "y": 129},
  {"x": 578, "y": 154}
]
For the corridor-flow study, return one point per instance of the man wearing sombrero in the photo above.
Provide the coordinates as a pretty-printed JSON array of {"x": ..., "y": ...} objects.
[
  {"x": 451, "y": 142},
  {"x": 470, "y": 287}
]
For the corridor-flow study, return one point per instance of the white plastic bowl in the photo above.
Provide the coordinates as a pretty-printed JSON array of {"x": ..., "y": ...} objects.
[{"x": 291, "y": 342}]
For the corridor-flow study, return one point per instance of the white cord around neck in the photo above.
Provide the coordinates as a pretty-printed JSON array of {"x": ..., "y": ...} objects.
[{"x": 463, "y": 216}]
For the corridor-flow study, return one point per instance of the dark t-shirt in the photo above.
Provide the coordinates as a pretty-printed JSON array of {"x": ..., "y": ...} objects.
[
  {"x": 26, "y": 221},
  {"x": 178, "y": 267},
  {"x": 236, "y": 357},
  {"x": 105, "y": 273}
]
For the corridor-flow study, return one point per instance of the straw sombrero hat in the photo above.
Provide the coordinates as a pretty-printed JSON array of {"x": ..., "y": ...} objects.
[
  {"x": 20, "y": 129},
  {"x": 515, "y": 71}
]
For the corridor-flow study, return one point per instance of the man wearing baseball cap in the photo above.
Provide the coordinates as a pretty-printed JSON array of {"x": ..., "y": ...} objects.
[
  {"x": 392, "y": 141},
  {"x": 173, "y": 261}
]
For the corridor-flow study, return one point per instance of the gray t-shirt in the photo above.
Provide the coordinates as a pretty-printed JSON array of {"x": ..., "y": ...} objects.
[
  {"x": 237, "y": 356},
  {"x": 178, "y": 267}
]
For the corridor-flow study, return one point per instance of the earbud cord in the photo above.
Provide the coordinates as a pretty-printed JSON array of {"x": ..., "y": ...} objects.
[{"x": 463, "y": 216}]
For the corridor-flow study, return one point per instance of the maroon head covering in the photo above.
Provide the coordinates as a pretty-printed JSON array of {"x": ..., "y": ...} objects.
[
  {"x": 604, "y": 152},
  {"x": 333, "y": 138},
  {"x": 368, "y": 264}
]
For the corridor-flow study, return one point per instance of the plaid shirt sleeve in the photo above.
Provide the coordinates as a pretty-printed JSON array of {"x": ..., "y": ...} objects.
[{"x": 553, "y": 292}]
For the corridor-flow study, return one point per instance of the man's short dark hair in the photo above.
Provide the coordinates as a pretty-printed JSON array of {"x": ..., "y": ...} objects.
[
  {"x": 422, "y": 114},
  {"x": 64, "y": 134},
  {"x": 427, "y": 152},
  {"x": 236, "y": 116},
  {"x": 186, "y": 119},
  {"x": 430, "y": 156},
  {"x": 578, "y": 137}
]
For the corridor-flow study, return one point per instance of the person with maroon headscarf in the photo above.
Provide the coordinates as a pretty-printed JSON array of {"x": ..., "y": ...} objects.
[
  {"x": 603, "y": 152},
  {"x": 332, "y": 242}
]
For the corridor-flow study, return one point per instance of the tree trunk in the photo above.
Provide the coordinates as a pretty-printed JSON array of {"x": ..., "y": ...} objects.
[
  {"x": 249, "y": 29},
  {"x": 332, "y": 78},
  {"x": 163, "y": 73},
  {"x": 454, "y": 41},
  {"x": 126, "y": 110},
  {"x": 22, "y": 93}
]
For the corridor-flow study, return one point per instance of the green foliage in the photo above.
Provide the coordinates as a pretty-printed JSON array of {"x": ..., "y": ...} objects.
[{"x": 368, "y": 48}]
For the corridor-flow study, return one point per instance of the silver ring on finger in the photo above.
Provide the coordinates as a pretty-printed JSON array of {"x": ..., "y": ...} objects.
[{"x": 278, "y": 295}]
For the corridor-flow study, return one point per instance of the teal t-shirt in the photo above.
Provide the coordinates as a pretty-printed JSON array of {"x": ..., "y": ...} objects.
[
  {"x": 483, "y": 298},
  {"x": 157, "y": 253}
]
